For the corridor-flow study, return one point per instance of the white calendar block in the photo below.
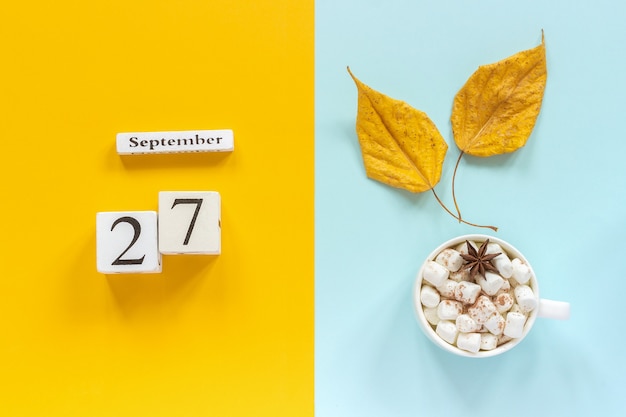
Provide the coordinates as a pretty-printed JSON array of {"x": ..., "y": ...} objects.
[
  {"x": 175, "y": 142},
  {"x": 189, "y": 222},
  {"x": 126, "y": 242}
]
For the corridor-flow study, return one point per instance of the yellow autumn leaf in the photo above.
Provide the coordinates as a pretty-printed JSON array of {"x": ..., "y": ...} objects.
[
  {"x": 496, "y": 110},
  {"x": 400, "y": 145}
]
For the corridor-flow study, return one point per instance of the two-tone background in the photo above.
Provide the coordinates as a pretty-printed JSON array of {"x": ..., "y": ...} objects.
[{"x": 308, "y": 309}]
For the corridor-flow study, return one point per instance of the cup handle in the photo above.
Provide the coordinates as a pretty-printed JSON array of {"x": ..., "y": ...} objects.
[{"x": 551, "y": 309}]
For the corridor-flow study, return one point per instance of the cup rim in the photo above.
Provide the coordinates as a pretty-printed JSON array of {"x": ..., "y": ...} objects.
[{"x": 513, "y": 252}]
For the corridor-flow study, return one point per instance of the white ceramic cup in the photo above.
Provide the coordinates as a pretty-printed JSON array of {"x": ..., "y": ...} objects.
[{"x": 546, "y": 308}]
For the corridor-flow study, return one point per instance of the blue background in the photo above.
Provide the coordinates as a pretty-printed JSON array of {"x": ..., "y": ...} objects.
[{"x": 560, "y": 200}]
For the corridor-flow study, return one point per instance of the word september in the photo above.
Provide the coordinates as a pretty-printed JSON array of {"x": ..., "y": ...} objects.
[{"x": 175, "y": 142}]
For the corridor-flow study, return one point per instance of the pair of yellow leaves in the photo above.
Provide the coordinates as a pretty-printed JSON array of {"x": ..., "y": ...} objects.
[{"x": 493, "y": 113}]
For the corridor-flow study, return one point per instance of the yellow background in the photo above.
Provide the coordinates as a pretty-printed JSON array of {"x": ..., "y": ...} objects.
[{"x": 210, "y": 336}]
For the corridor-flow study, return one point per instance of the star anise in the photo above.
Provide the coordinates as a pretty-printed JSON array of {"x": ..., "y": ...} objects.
[{"x": 477, "y": 261}]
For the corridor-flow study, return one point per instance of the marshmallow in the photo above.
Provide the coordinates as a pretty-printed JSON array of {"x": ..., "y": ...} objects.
[
  {"x": 493, "y": 248},
  {"x": 488, "y": 341},
  {"x": 490, "y": 283},
  {"x": 450, "y": 259},
  {"x": 514, "y": 326},
  {"x": 495, "y": 324},
  {"x": 431, "y": 315},
  {"x": 447, "y": 331},
  {"x": 516, "y": 309},
  {"x": 513, "y": 283},
  {"x": 449, "y": 309},
  {"x": 467, "y": 292},
  {"x": 469, "y": 341},
  {"x": 502, "y": 339},
  {"x": 502, "y": 261},
  {"x": 482, "y": 309},
  {"x": 521, "y": 271},
  {"x": 505, "y": 287},
  {"x": 460, "y": 275},
  {"x": 435, "y": 274},
  {"x": 503, "y": 265},
  {"x": 525, "y": 298},
  {"x": 429, "y": 296},
  {"x": 447, "y": 288},
  {"x": 504, "y": 301},
  {"x": 466, "y": 324}
]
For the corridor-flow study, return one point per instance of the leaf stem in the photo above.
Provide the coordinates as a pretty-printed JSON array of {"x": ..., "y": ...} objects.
[
  {"x": 458, "y": 211},
  {"x": 494, "y": 228}
]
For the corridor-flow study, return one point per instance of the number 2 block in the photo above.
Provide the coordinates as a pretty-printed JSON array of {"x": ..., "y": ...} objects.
[
  {"x": 189, "y": 222},
  {"x": 126, "y": 242}
]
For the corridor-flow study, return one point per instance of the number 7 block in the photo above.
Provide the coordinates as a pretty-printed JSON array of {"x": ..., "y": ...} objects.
[
  {"x": 189, "y": 222},
  {"x": 126, "y": 242}
]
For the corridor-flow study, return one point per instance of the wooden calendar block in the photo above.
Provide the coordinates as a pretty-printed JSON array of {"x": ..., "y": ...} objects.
[
  {"x": 126, "y": 242},
  {"x": 189, "y": 222},
  {"x": 175, "y": 142}
]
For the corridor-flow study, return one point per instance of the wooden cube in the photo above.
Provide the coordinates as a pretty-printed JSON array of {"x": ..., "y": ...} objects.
[
  {"x": 126, "y": 242},
  {"x": 189, "y": 222}
]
